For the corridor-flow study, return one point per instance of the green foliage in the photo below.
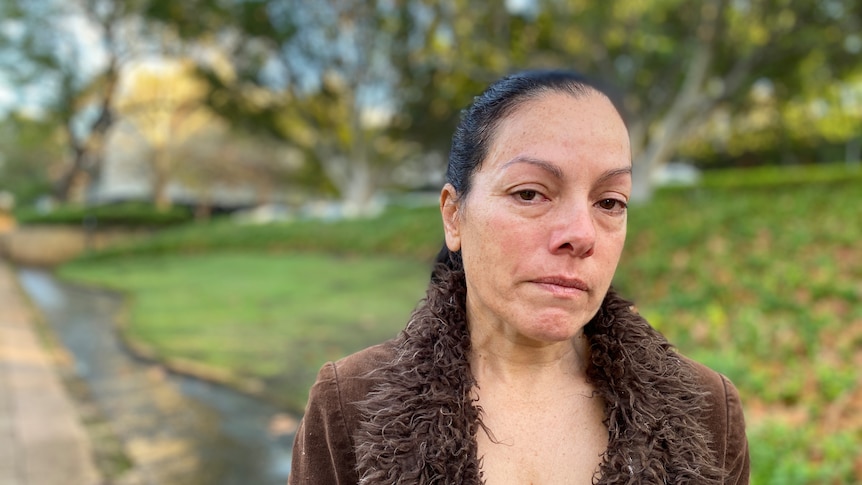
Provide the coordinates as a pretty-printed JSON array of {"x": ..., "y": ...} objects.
[
  {"x": 781, "y": 454},
  {"x": 28, "y": 149},
  {"x": 133, "y": 214},
  {"x": 404, "y": 70},
  {"x": 43, "y": 55},
  {"x": 423, "y": 62}
]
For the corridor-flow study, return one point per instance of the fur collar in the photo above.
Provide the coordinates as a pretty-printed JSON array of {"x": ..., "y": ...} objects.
[{"x": 420, "y": 422}]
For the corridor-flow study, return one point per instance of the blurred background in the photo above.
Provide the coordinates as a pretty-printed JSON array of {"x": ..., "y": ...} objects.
[{"x": 203, "y": 201}]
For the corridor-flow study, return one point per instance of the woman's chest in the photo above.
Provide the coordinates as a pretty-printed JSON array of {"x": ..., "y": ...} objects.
[{"x": 556, "y": 442}]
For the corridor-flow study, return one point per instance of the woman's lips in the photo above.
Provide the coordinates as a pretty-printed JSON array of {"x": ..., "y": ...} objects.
[{"x": 562, "y": 285}]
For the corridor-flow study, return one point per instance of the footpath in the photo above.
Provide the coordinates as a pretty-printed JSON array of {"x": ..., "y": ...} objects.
[{"x": 42, "y": 441}]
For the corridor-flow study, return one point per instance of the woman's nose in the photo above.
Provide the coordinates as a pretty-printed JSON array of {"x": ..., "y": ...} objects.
[{"x": 574, "y": 232}]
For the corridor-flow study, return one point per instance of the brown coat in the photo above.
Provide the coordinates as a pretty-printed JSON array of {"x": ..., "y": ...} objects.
[{"x": 400, "y": 412}]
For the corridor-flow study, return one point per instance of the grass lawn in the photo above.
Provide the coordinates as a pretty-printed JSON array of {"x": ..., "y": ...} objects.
[
  {"x": 272, "y": 317},
  {"x": 762, "y": 280}
]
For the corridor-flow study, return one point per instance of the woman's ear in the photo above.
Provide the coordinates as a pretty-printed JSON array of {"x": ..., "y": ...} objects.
[{"x": 449, "y": 206}]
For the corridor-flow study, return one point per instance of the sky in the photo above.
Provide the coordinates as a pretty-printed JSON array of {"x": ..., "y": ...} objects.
[
  {"x": 7, "y": 98},
  {"x": 84, "y": 46}
]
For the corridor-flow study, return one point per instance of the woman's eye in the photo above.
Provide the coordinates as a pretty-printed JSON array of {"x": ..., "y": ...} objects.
[
  {"x": 612, "y": 205},
  {"x": 527, "y": 195}
]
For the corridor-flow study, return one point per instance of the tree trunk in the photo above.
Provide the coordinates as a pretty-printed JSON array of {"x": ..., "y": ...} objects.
[
  {"x": 203, "y": 208},
  {"x": 664, "y": 136},
  {"x": 658, "y": 150},
  {"x": 357, "y": 187},
  {"x": 161, "y": 201},
  {"x": 647, "y": 163},
  {"x": 354, "y": 177},
  {"x": 88, "y": 153},
  {"x": 657, "y": 140},
  {"x": 358, "y": 195},
  {"x": 63, "y": 186}
]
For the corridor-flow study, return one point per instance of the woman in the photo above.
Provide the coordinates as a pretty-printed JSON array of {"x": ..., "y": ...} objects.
[{"x": 522, "y": 365}]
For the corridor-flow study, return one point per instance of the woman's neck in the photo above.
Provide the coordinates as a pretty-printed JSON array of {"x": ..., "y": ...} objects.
[{"x": 512, "y": 359}]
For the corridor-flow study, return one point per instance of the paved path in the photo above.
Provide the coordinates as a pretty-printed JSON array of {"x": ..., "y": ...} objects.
[{"x": 42, "y": 441}]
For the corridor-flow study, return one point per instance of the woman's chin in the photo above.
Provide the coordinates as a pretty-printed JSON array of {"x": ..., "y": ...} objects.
[{"x": 553, "y": 330}]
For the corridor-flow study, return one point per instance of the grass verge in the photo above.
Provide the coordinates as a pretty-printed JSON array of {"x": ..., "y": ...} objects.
[{"x": 268, "y": 321}]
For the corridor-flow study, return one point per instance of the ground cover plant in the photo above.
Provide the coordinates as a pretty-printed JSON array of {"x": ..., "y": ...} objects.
[
  {"x": 765, "y": 285},
  {"x": 763, "y": 282}
]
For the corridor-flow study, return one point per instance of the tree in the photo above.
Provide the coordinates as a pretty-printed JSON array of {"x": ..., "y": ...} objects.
[
  {"x": 71, "y": 54},
  {"x": 675, "y": 61},
  {"x": 316, "y": 76},
  {"x": 217, "y": 158},
  {"x": 359, "y": 87},
  {"x": 165, "y": 104},
  {"x": 833, "y": 114},
  {"x": 822, "y": 124}
]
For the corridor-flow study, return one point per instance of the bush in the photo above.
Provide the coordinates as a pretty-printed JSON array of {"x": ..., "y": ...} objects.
[
  {"x": 778, "y": 176},
  {"x": 133, "y": 214}
]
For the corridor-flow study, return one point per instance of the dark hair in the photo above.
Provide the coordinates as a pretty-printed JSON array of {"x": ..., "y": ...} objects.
[{"x": 480, "y": 120}]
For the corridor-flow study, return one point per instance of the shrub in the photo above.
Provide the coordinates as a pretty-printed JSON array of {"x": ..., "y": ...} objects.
[{"x": 131, "y": 214}]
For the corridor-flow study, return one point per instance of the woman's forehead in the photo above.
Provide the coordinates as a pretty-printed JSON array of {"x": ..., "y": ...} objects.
[
  {"x": 585, "y": 113},
  {"x": 558, "y": 127}
]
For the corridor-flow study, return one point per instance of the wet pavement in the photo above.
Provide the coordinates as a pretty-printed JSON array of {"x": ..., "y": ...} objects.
[
  {"x": 176, "y": 430},
  {"x": 42, "y": 440}
]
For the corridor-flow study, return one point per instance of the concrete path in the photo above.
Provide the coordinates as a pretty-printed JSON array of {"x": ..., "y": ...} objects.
[{"x": 42, "y": 441}]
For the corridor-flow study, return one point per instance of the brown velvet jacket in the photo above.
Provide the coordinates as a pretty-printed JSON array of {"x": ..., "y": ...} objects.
[{"x": 401, "y": 412}]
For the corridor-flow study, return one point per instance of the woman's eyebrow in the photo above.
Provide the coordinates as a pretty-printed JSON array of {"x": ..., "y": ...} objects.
[
  {"x": 558, "y": 173},
  {"x": 544, "y": 165},
  {"x": 614, "y": 172}
]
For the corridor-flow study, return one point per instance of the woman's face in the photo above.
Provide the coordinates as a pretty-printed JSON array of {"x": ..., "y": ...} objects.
[{"x": 542, "y": 229}]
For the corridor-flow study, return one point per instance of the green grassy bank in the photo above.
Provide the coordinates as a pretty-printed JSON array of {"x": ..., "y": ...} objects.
[
  {"x": 269, "y": 319},
  {"x": 761, "y": 281},
  {"x": 765, "y": 285}
]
